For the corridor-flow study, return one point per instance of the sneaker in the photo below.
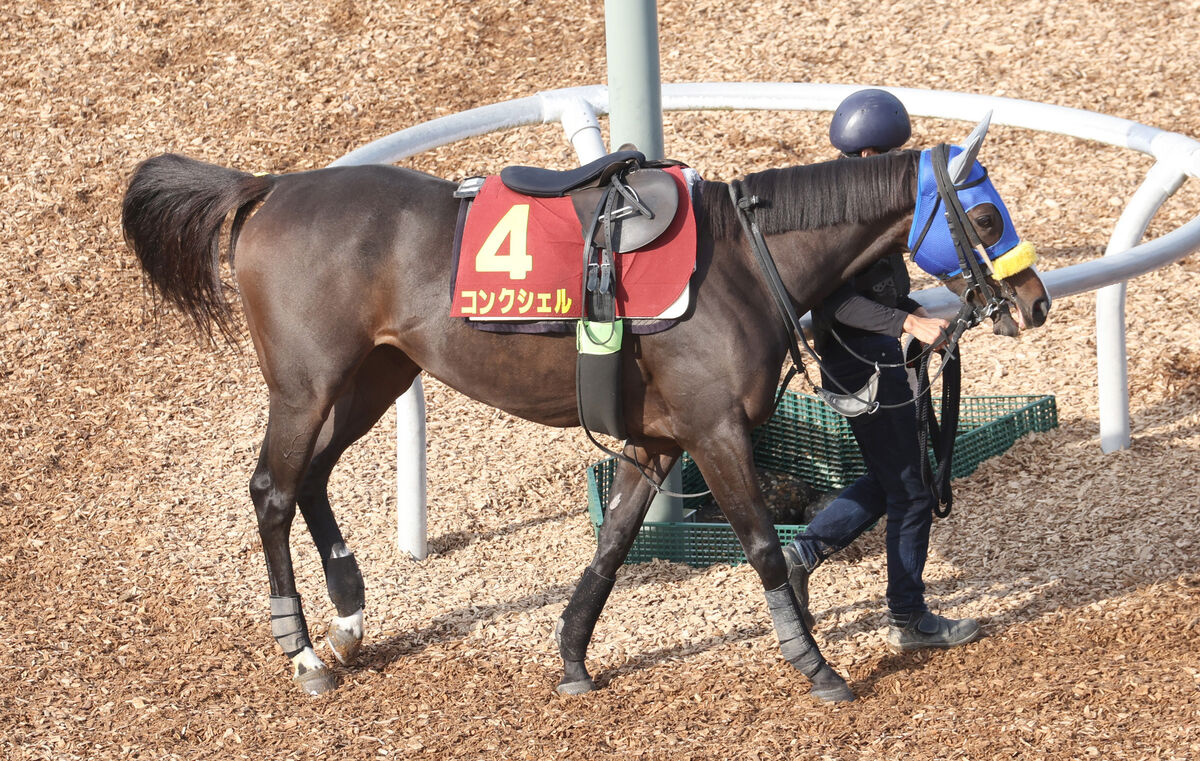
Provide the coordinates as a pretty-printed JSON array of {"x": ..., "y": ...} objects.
[
  {"x": 929, "y": 630},
  {"x": 798, "y": 578}
]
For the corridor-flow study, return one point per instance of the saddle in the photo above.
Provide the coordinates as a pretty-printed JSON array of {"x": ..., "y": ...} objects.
[
  {"x": 646, "y": 196},
  {"x": 623, "y": 203}
]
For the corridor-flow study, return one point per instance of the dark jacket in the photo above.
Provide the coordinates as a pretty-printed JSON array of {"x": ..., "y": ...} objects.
[{"x": 873, "y": 302}]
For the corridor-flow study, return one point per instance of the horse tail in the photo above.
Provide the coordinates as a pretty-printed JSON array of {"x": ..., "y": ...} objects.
[{"x": 172, "y": 217}]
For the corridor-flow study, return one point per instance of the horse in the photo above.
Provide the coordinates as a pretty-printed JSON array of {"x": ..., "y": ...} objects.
[{"x": 343, "y": 279}]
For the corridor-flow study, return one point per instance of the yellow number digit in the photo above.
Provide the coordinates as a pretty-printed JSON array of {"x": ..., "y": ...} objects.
[{"x": 517, "y": 262}]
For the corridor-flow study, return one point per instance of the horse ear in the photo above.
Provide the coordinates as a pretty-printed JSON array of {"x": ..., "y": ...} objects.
[{"x": 960, "y": 166}]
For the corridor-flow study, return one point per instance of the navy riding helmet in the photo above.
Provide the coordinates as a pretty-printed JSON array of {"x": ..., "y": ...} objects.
[{"x": 869, "y": 119}]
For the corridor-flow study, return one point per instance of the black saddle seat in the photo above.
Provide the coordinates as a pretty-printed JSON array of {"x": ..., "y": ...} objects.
[{"x": 549, "y": 183}]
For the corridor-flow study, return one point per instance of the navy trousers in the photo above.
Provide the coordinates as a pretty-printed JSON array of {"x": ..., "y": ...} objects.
[{"x": 893, "y": 484}]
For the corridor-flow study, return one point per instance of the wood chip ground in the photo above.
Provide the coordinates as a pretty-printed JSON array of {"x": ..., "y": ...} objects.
[{"x": 132, "y": 583}]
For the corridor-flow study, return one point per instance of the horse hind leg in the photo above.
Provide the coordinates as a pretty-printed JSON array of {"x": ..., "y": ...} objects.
[
  {"x": 283, "y": 459},
  {"x": 382, "y": 377},
  {"x": 343, "y": 579}
]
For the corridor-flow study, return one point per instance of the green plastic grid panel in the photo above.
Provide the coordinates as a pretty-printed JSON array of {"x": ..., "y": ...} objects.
[{"x": 808, "y": 440}]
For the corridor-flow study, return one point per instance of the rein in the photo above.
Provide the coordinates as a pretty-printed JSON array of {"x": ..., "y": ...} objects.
[
  {"x": 942, "y": 434},
  {"x": 783, "y": 302},
  {"x": 967, "y": 244}
]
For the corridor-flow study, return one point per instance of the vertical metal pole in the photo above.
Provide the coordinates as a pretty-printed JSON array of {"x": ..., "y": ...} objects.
[
  {"x": 634, "y": 84},
  {"x": 1112, "y": 365},
  {"x": 635, "y": 116},
  {"x": 411, "y": 522}
]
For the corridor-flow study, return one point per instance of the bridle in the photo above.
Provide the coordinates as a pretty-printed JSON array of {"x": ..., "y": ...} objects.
[
  {"x": 969, "y": 249},
  {"x": 979, "y": 300},
  {"x": 972, "y": 255}
]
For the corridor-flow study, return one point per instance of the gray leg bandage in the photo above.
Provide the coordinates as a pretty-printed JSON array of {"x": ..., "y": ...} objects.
[
  {"x": 288, "y": 625},
  {"x": 794, "y": 640}
]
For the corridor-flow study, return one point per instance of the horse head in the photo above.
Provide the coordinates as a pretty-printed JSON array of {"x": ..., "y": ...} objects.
[{"x": 984, "y": 261}]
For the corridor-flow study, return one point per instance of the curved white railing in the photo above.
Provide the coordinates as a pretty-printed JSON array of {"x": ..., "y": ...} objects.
[{"x": 576, "y": 109}]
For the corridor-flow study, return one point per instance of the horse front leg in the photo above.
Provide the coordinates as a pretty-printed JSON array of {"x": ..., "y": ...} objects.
[
  {"x": 727, "y": 466},
  {"x": 629, "y": 499},
  {"x": 283, "y": 460}
]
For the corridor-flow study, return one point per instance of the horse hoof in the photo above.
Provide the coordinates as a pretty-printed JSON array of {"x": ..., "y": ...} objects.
[
  {"x": 316, "y": 681},
  {"x": 828, "y": 687},
  {"x": 579, "y": 687},
  {"x": 344, "y": 645}
]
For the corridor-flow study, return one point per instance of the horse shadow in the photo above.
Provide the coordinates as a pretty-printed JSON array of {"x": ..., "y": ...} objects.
[
  {"x": 835, "y": 624},
  {"x": 459, "y": 622},
  {"x": 445, "y": 544},
  {"x": 453, "y": 625}
]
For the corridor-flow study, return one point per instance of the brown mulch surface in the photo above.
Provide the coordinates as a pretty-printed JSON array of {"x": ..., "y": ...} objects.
[{"x": 132, "y": 584}]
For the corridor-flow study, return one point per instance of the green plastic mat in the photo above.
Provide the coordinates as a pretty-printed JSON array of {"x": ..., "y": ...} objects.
[{"x": 808, "y": 440}]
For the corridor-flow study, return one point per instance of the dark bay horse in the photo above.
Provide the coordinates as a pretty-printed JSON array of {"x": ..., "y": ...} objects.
[{"x": 343, "y": 276}]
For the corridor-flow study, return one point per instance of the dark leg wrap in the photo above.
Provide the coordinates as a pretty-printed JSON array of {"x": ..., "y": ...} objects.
[
  {"x": 288, "y": 625},
  {"x": 345, "y": 585},
  {"x": 795, "y": 642},
  {"x": 579, "y": 618}
]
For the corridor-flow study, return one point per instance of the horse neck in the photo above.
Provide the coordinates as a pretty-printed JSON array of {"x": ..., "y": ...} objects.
[
  {"x": 813, "y": 263},
  {"x": 830, "y": 221}
]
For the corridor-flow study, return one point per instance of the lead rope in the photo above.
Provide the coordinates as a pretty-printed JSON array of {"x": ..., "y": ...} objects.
[{"x": 943, "y": 435}]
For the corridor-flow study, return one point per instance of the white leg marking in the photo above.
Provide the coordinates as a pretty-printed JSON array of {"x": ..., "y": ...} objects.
[
  {"x": 352, "y": 623},
  {"x": 345, "y": 636},
  {"x": 307, "y": 660},
  {"x": 311, "y": 674}
]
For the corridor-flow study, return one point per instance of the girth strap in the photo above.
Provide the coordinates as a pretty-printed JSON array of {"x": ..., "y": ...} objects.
[{"x": 599, "y": 332}]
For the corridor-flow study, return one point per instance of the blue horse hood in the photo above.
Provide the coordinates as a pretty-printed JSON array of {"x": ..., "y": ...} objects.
[{"x": 937, "y": 254}]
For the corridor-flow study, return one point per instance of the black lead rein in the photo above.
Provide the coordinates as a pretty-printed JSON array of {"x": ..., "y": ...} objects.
[
  {"x": 783, "y": 302},
  {"x": 943, "y": 434},
  {"x": 967, "y": 317}
]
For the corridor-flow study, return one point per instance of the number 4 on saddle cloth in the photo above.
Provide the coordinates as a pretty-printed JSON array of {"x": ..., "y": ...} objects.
[{"x": 520, "y": 254}]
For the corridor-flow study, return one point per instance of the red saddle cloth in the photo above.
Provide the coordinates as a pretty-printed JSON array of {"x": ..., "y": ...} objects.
[{"x": 521, "y": 258}]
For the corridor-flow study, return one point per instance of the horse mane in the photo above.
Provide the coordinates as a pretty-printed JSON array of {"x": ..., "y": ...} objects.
[{"x": 812, "y": 196}]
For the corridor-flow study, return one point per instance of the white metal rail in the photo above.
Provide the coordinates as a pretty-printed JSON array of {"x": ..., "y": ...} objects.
[{"x": 1177, "y": 158}]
